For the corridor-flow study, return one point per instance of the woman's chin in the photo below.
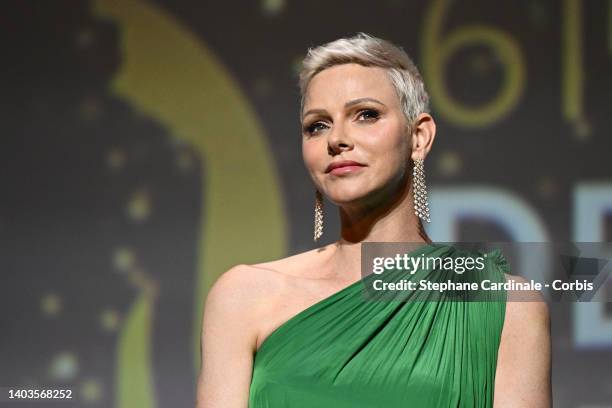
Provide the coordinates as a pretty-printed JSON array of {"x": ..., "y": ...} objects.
[{"x": 354, "y": 199}]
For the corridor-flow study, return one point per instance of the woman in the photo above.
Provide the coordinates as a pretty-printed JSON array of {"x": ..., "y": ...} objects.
[{"x": 293, "y": 332}]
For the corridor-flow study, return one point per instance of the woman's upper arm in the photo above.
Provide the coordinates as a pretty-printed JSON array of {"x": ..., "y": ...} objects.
[
  {"x": 227, "y": 342},
  {"x": 523, "y": 376}
]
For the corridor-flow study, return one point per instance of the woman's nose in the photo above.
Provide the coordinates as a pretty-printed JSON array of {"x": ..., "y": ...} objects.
[{"x": 339, "y": 139}]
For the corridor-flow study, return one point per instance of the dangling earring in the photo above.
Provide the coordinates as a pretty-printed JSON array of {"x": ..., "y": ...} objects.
[
  {"x": 318, "y": 221},
  {"x": 421, "y": 204}
]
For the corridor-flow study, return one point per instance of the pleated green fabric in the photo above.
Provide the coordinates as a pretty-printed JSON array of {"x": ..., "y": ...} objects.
[{"x": 348, "y": 351}]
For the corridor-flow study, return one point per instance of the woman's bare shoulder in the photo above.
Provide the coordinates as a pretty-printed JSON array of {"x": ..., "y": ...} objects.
[
  {"x": 235, "y": 303},
  {"x": 232, "y": 292},
  {"x": 255, "y": 285},
  {"x": 240, "y": 289}
]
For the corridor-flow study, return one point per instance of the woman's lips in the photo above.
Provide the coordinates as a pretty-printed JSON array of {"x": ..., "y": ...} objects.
[
  {"x": 346, "y": 170},
  {"x": 343, "y": 164}
]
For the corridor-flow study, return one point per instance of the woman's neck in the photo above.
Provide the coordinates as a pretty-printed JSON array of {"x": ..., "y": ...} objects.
[{"x": 393, "y": 223}]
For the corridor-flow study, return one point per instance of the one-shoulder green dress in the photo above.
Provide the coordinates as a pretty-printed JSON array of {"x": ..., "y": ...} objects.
[{"x": 347, "y": 351}]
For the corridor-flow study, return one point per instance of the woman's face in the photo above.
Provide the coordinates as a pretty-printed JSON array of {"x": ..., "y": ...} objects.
[{"x": 352, "y": 112}]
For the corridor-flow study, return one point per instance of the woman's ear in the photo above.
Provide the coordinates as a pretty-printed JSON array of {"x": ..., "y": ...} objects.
[{"x": 423, "y": 135}]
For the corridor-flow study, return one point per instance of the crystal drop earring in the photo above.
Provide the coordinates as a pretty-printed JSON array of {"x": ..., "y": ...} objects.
[
  {"x": 318, "y": 220},
  {"x": 419, "y": 189}
]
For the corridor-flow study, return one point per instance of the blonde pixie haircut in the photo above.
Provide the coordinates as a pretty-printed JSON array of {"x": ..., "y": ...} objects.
[{"x": 363, "y": 49}]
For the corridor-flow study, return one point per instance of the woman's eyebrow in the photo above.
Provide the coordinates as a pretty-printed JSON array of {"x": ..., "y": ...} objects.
[
  {"x": 357, "y": 101},
  {"x": 346, "y": 105},
  {"x": 312, "y": 111}
]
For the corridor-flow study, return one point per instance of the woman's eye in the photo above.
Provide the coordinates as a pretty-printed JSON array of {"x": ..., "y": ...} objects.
[
  {"x": 315, "y": 128},
  {"x": 368, "y": 114}
]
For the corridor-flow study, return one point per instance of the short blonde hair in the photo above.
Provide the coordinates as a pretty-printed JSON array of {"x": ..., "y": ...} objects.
[{"x": 366, "y": 50}]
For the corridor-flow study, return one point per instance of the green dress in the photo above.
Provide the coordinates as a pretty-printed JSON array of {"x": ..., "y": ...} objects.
[{"x": 346, "y": 351}]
